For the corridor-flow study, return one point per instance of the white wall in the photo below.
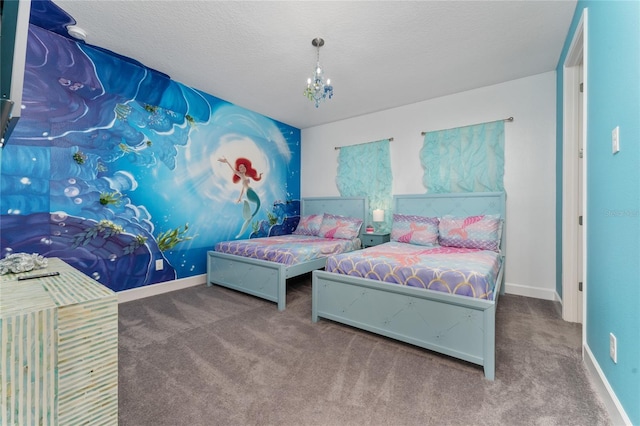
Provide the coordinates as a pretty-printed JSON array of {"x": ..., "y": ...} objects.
[{"x": 529, "y": 162}]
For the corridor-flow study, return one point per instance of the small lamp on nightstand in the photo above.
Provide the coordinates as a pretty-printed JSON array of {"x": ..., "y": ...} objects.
[{"x": 378, "y": 216}]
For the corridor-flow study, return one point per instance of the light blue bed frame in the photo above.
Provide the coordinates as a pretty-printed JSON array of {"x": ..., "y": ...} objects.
[
  {"x": 458, "y": 326},
  {"x": 268, "y": 280}
]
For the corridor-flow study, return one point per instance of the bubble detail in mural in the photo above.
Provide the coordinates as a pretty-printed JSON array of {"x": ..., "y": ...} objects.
[
  {"x": 58, "y": 216},
  {"x": 71, "y": 191}
]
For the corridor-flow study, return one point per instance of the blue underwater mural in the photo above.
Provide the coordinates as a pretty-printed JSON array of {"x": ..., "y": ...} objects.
[{"x": 113, "y": 166}]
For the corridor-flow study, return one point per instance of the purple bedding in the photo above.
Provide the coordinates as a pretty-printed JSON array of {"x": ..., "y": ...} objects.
[
  {"x": 287, "y": 249},
  {"x": 462, "y": 271}
]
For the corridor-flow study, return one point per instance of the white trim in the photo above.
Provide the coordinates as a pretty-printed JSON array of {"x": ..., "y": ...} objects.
[
  {"x": 571, "y": 79},
  {"x": 602, "y": 387},
  {"x": 558, "y": 298},
  {"x": 528, "y": 291},
  {"x": 585, "y": 221},
  {"x": 155, "y": 289}
]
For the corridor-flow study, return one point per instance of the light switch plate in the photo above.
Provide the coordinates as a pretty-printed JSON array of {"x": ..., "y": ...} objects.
[
  {"x": 613, "y": 347},
  {"x": 615, "y": 140}
]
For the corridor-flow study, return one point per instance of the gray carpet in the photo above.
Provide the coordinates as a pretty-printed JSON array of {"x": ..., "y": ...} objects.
[{"x": 213, "y": 356}]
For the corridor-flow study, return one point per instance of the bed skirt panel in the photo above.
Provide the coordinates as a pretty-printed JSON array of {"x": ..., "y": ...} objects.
[
  {"x": 453, "y": 325},
  {"x": 260, "y": 278}
]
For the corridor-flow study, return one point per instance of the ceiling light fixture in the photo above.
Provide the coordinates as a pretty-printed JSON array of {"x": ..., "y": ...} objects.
[{"x": 317, "y": 90}]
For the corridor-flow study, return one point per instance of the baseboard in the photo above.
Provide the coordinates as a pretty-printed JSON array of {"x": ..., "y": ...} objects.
[
  {"x": 602, "y": 387},
  {"x": 528, "y": 291},
  {"x": 154, "y": 289}
]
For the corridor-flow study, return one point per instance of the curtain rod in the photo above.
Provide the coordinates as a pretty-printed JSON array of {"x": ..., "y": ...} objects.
[
  {"x": 363, "y": 143},
  {"x": 504, "y": 119}
]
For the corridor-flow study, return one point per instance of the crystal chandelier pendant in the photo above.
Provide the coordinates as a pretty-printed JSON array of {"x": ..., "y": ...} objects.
[{"x": 317, "y": 90}]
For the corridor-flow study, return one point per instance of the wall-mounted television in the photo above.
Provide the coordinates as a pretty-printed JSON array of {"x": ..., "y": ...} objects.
[{"x": 14, "y": 30}]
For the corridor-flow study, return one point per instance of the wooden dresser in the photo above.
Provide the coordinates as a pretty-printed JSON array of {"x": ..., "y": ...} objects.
[{"x": 58, "y": 349}]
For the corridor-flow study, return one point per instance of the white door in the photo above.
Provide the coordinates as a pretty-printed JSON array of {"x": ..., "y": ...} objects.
[
  {"x": 580, "y": 179},
  {"x": 574, "y": 166}
]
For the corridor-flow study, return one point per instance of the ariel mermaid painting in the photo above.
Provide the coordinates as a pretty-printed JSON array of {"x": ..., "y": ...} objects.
[{"x": 244, "y": 172}]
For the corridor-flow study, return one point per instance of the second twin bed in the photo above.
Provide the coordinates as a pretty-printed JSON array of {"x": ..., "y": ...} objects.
[{"x": 436, "y": 286}]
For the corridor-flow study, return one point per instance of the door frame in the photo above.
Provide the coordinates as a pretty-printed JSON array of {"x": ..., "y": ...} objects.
[{"x": 572, "y": 76}]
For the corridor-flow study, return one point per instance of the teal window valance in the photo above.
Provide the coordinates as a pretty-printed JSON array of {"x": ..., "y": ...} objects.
[
  {"x": 365, "y": 170},
  {"x": 464, "y": 159}
]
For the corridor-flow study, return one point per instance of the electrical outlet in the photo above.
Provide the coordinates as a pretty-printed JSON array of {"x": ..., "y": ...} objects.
[
  {"x": 159, "y": 265},
  {"x": 613, "y": 347}
]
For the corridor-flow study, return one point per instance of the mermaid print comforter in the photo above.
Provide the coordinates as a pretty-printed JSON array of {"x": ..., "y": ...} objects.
[
  {"x": 462, "y": 271},
  {"x": 287, "y": 249}
]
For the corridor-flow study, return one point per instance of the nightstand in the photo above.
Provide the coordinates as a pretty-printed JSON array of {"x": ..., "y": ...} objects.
[{"x": 374, "y": 238}]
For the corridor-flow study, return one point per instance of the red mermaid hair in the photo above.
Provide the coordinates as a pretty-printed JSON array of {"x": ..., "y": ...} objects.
[{"x": 251, "y": 172}]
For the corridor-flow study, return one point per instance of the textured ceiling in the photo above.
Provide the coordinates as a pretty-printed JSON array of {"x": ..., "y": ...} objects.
[{"x": 378, "y": 54}]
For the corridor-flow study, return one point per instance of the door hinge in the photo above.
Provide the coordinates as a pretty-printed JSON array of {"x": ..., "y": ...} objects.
[
  {"x": 581, "y": 153},
  {"x": 580, "y": 286},
  {"x": 581, "y": 87},
  {"x": 580, "y": 220}
]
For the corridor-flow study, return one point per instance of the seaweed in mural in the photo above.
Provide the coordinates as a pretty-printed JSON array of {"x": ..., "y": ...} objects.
[
  {"x": 138, "y": 241},
  {"x": 169, "y": 239},
  {"x": 104, "y": 229},
  {"x": 273, "y": 219},
  {"x": 114, "y": 198}
]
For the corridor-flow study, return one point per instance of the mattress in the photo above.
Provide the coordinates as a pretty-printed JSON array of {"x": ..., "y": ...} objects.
[
  {"x": 287, "y": 249},
  {"x": 462, "y": 271}
]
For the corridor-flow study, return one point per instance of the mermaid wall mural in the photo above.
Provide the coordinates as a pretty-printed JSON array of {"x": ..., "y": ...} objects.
[{"x": 114, "y": 166}]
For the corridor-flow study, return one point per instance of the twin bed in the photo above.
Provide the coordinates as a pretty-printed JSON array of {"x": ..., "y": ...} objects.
[
  {"x": 267, "y": 278},
  {"x": 459, "y": 325},
  {"x": 441, "y": 297}
]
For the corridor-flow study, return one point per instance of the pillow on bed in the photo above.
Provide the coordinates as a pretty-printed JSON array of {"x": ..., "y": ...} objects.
[
  {"x": 309, "y": 225},
  {"x": 336, "y": 226},
  {"x": 479, "y": 232},
  {"x": 411, "y": 229}
]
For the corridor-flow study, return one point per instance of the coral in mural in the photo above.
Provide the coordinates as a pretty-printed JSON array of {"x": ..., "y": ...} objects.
[
  {"x": 79, "y": 157},
  {"x": 122, "y": 111},
  {"x": 281, "y": 221}
]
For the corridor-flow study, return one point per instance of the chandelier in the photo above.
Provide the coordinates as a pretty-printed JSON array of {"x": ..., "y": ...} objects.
[{"x": 317, "y": 90}]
